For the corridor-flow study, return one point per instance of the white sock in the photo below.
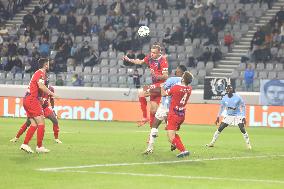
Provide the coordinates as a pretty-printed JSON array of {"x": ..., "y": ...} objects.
[
  {"x": 215, "y": 136},
  {"x": 153, "y": 135},
  {"x": 246, "y": 137}
]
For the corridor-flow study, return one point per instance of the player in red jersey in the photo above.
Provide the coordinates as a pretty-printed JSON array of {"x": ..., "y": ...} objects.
[
  {"x": 48, "y": 113},
  {"x": 180, "y": 94},
  {"x": 33, "y": 106},
  {"x": 158, "y": 65}
]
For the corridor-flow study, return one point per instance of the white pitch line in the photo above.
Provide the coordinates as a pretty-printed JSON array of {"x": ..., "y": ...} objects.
[
  {"x": 193, "y": 177},
  {"x": 178, "y": 176},
  {"x": 54, "y": 169}
]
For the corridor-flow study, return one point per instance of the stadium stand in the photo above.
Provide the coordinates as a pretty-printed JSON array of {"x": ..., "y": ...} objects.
[{"x": 90, "y": 37}]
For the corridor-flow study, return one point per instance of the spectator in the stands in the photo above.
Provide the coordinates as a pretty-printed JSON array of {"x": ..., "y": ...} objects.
[
  {"x": 49, "y": 6},
  {"x": 59, "y": 81},
  {"x": 53, "y": 21},
  {"x": 101, "y": 9},
  {"x": 12, "y": 48},
  {"x": 282, "y": 33},
  {"x": 228, "y": 40},
  {"x": 249, "y": 77},
  {"x": 143, "y": 21},
  {"x": 149, "y": 14},
  {"x": 91, "y": 60},
  {"x": 29, "y": 20},
  {"x": 258, "y": 39},
  {"x": 162, "y": 4},
  {"x": 184, "y": 22},
  {"x": 118, "y": 8},
  {"x": 211, "y": 4},
  {"x": 96, "y": 28},
  {"x": 70, "y": 23},
  {"x": 140, "y": 55},
  {"x": 136, "y": 78},
  {"x": 133, "y": 21},
  {"x": 217, "y": 55},
  {"x": 177, "y": 37},
  {"x": 77, "y": 81},
  {"x": 167, "y": 36},
  {"x": 85, "y": 51},
  {"x": 180, "y": 4},
  {"x": 206, "y": 56},
  {"x": 110, "y": 34},
  {"x": 44, "y": 48},
  {"x": 279, "y": 17}
]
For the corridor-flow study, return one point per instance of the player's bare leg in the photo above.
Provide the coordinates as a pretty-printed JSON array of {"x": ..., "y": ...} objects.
[
  {"x": 21, "y": 130},
  {"x": 176, "y": 141},
  {"x": 216, "y": 134},
  {"x": 245, "y": 135},
  {"x": 54, "y": 121},
  {"x": 143, "y": 105}
]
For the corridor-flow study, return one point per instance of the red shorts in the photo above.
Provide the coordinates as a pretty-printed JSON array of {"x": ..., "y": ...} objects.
[
  {"x": 156, "y": 97},
  {"x": 174, "y": 122},
  {"x": 32, "y": 106},
  {"x": 47, "y": 111}
]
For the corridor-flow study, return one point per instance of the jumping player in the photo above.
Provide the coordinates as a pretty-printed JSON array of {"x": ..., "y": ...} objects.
[
  {"x": 236, "y": 112},
  {"x": 48, "y": 113},
  {"x": 33, "y": 106},
  {"x": 163, "y": 108},
  {"x": 180, "y": 94},
  {"x": 158, "y": 65}
]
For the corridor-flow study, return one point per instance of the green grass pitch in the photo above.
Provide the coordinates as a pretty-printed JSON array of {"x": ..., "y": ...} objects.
[{"x": 107, "y": 155}]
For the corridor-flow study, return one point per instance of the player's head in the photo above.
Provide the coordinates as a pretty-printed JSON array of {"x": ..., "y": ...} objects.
[
  {"x": 156, "y": 51},
  {"x": 187, "y": 78},
  {"x": 180, "y": 70},
  {"x": 274, "y": 92},
  {"x": 229, "y": 89},
  {"x": 43, "y": 63}
]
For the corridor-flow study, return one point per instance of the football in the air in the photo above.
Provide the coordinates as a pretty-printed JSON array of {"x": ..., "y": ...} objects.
[{"x": 143, "y": 31}]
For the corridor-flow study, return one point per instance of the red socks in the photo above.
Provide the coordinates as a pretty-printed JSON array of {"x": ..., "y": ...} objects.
[
  {"x": 143, "y": 105},
  {"x": 30, "y": 134},
  {"x": 55, "y": 131},
  {"x": 40, "y": 135},
  {"x": 177, "y": 142},
  {"x": 22, "y": 130}
]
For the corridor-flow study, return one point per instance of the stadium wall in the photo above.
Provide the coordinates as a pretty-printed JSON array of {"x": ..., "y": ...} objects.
[{"x": 126, "y": 108}]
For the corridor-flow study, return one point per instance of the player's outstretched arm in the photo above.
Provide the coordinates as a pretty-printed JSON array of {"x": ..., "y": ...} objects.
[
  {"x": 133, "y": 61},
  {"x": 46, "y": 90},
  {"x": 217, "y": 120}
]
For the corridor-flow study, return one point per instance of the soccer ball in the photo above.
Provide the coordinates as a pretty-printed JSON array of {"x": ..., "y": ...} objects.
[{"x": 143, "y": 31}]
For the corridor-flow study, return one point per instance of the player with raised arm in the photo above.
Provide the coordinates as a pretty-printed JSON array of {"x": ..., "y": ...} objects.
[
  {"x": 33, "y": 106},
  {"x": 180, "y": 94},
  {"x": 163, "y": 108},
  {"x": 48, "y": 113},
  {"x": 158, "y": 65},
  {"x": 236, "y": 112}
]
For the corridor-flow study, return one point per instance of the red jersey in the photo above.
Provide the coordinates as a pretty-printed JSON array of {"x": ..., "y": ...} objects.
[
  {"x": 33, "y": 88},
  {"x": 158, "y": 67},
  {"x": 180, "y": 95}
]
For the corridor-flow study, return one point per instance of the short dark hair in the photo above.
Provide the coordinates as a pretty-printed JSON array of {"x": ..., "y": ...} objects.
[
  {"x": 187, "y": 77},
  {"x": 42, "y": 62},
  {"x": 273, "y": 82},
  {"x": 182, "y": 68}
]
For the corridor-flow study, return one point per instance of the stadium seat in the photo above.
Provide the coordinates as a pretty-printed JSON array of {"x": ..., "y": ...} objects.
[
  {"x": 104, "y": 70},
  {"x": 280, "y": 75},
  {"x": 18, "y": 76},
  {"x": 200, "y": 65},
  {"x": 122, "y": 71},
  {"x": 262, "y": 75},
  {"x": 2, "y": 75},
  {"x": 9, "y": 82},
  {"x": 9, "y": 76},
  {"x": 113, "y": 63},
  {"x": 269, "y": 67},
  {"x": 272, "y": 75},
  {"x": 87, "y": 78},
  {"x": 260, "y": 66},
  {"x": 113, "y": 71},
  {"x": 79, "y": 69},
  {"x": 96, "y": 70},
  {"x": 88, "y": 84},
  {"x": 96, "y": 78},
  {"x": 122, "y": 79},
  {"x": 104, "y": 78},
  {"x": 104, "y": 63},
  {"x": 88, "y": 69}
]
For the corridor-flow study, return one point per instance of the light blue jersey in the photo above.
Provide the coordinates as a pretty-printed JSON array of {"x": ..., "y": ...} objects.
[
  {"x": 166, "y": 100},
  {"x": 234, "y": 106}
]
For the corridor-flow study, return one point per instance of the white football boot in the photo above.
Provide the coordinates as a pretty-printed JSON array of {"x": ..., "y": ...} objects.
[
  {"x": 15, "y": 139},
  {"x": 42, "y": 150},
  {"x": 26, "y": 148},
  {"x": 58, "y": 141}
]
